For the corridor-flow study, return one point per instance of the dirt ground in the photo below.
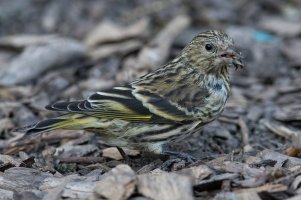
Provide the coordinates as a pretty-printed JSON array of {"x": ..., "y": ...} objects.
[{"x": 68, "y": 49}]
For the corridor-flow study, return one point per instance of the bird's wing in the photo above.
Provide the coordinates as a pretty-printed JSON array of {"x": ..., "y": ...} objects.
[{"x": 125, "y": 103}]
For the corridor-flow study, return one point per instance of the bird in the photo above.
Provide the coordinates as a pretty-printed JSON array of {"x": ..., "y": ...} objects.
[{"x": 161, "y": 107}]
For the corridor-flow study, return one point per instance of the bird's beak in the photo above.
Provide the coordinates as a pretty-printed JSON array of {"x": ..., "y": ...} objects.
[{"x": 235, "y": 56}]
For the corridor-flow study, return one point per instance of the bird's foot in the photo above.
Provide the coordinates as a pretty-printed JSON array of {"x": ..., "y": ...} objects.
[
  {"x": 169, "y": 164},
  {"x": 180, "y": 157},
  {"x": 184, "y": 156}
]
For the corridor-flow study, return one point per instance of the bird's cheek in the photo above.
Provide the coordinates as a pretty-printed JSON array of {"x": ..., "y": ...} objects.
[{"x": 219, "y": 62}]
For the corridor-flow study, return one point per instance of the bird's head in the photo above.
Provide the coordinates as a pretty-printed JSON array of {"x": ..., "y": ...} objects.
[{"x": 213, "y": 51}]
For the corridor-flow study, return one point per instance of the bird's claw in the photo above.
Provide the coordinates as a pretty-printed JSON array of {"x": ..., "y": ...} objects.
[
  {"x": 184, "y": 156},
  {"x": 189, "y": 159}
]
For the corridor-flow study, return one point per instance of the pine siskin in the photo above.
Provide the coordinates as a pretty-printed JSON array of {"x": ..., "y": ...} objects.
[{"x": 163, "y": 106}]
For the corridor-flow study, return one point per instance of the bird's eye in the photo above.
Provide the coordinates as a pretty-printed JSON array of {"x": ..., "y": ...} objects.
[{"x": 208, "y": 47}]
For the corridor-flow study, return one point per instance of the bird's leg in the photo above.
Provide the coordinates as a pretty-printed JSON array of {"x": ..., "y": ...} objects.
[{"x": 123, "y": 154}]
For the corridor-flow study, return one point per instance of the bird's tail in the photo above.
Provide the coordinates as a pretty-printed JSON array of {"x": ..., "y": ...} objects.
[{"x": 72, "y": 122}]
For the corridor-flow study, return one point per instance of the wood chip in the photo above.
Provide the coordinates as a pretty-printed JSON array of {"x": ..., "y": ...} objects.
[
  {"x": 113, "y": 153},
  {"x": 82, "y": 160},
  {"x": 165, "y": 186},
  {"x": 253, "y": 182},
  {"x": 5, "y": 124},
  {"x": 290, "y": 50},
  {"x": 78, "y": 189},
  {"x": 156, "y": 52},
  {"x": 10, "y": 159},
  {"x": 282, "y": 160},
  {"x": 237, "y": 196},
  {"x": 296, "y": 183},
  {"x": 297, "y": 197},
  {"x": 109, "y": 32},
  {"x": 215, "y": 182},
  {"x": 265, "y": 188},
  {"x": 6, "y": 194},
  {"x": 36, "y": 60},
  {"x": 281, "y": 26},
  {"x": 20, "y": 179},
  {"x": 198, "y": 173},
  {"x": 118, "y": 184},
  {"x": 120, "y": 49},
  {"x": 288, "y": 114},
  {"x": 22, "y": 41},
  {"x": 75, "y": 150},
  {"x": 278, "y": 129},
  {"x": 53, "y": 182},
  {"x": 56, "y": 185}
]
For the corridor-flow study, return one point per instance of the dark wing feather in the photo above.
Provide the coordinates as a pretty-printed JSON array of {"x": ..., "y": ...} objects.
[
  {"x": 121, "y": 103},
  {"x": 161, "y": 105}
]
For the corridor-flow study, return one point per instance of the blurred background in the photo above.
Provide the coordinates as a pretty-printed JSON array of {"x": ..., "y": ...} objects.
[
  {"x": 52, "y": 50},
  {"x": 65, "y": 50}
]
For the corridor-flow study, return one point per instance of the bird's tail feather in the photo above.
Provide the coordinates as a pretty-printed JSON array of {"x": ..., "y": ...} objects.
[{"x": 60, "y": 123}]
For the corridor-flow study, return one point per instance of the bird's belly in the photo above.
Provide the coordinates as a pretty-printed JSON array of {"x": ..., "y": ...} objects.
[{"x": 144, "y": 136}]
